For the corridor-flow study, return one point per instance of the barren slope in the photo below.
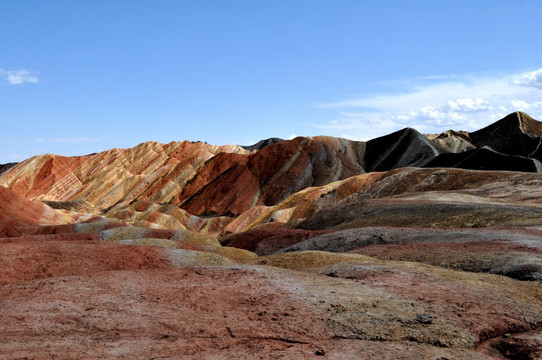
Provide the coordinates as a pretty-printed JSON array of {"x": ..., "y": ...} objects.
[
  {"x": 323, "y": 260},
  {"x": 17, "y": 211},
  {"x": 172, "y": 296}
]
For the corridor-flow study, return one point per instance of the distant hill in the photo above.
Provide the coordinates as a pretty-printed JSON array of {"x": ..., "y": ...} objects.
[
  {"x": 16, "y": 211},
  {"x": 6, "y": 167},
  {"x": 403, "y": 247},
  {"x": 223, "y": 182},
  {"x": 262, "y": 143}
]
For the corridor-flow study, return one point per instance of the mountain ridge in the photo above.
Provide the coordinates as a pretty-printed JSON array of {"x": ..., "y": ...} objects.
[
  {"x": 295, "y": 249},
  {"x": 193, "y": 182}
]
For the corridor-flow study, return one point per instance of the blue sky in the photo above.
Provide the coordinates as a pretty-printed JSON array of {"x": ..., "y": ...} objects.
[{"x": 84, "y": 76}]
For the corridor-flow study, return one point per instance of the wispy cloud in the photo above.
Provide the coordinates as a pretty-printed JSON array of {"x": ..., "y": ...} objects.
[
  {"x": 15, "y": 150},
  {"x": 71, "y": 140},
  {"x": 8, "y": 158},
  {"x": 17, "y": 77},
  {"x": 437, "y": 103},
  {"x": 51, "y": 140}
]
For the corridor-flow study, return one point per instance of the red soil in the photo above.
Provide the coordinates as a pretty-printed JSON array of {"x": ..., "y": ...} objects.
[{"x": 31, "y": 259}]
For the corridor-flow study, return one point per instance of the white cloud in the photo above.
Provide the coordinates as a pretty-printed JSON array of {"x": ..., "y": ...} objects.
[
  {"x": 468, "y": 105},
  {"x": 17, "y": 77},
  {"x": 437, "y": 103},
  {"x": 520, "y": 105},
  {"x": 532, "y": 79}
]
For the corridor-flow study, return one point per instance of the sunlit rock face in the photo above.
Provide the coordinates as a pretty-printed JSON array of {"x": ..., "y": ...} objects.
[
  {"x": 17, "y": 211},
  {"x": 149, "y": 171},
  {"x": 210, "y": 180},
  {"x": 403, "y": 247}
]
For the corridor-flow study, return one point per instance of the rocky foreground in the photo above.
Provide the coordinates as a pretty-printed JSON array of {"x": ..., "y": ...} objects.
[{"x": 302, "y": 249}]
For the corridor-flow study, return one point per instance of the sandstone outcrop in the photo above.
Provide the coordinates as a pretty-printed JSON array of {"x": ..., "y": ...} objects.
[
  {"x": 231, "y": 184},
  {"x": 437, "y": 198},
  {"x": 210, "y": 181},
  {"x": 149, "y": 171},
  {"x": 17, "y": 211},
  {"x": 403, "y": 247}
]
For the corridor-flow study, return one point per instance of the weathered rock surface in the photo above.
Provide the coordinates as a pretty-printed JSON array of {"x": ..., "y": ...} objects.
[
  {"x": 402, "y": 148},
  {"x": 262, "y": 143},
  {"x": 437, "y": 198},
  {"x": 516, "y": 134},
  {"x": 512, "y": 143},
  {"x": 453, "y": 141},
  {"x": 209, "y": 181},
  {"x": 285, "y": 249},
  {"x": 231, "y": 184},
  {"x": 268, "y": 241},
  {"x": 106, "y": 295},
  {"x": 485, "y": 159},
  {"x": 16, "y": 211},
  {"x": 516, "y": 253},
  {"x": 149, "y": 171},
  {"x": 142, "y": 314},
  {"x": 199, "y": 178}
]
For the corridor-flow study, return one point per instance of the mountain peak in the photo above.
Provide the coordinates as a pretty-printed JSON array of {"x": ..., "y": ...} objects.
[
  {"x": 405, "y": 147},
  {"x": 528, "y": 125},
  {"x": 262, "y": 143},
  {"x": 516, "y": 122}
]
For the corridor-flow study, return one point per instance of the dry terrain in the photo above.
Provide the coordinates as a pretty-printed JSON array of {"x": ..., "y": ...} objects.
[{"x": 408, "y": 246}]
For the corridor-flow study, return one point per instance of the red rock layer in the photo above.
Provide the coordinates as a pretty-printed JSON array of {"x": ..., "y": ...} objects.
[
  {"x": 150, "y": 171},
  {"x": 16, "y": 210},
  {"x": 232, "y": 183},
  {"x": 201, "y": 178}
]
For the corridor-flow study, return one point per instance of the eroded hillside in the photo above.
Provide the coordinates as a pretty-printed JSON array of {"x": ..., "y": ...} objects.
[{"x": 403, "y": 247}]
